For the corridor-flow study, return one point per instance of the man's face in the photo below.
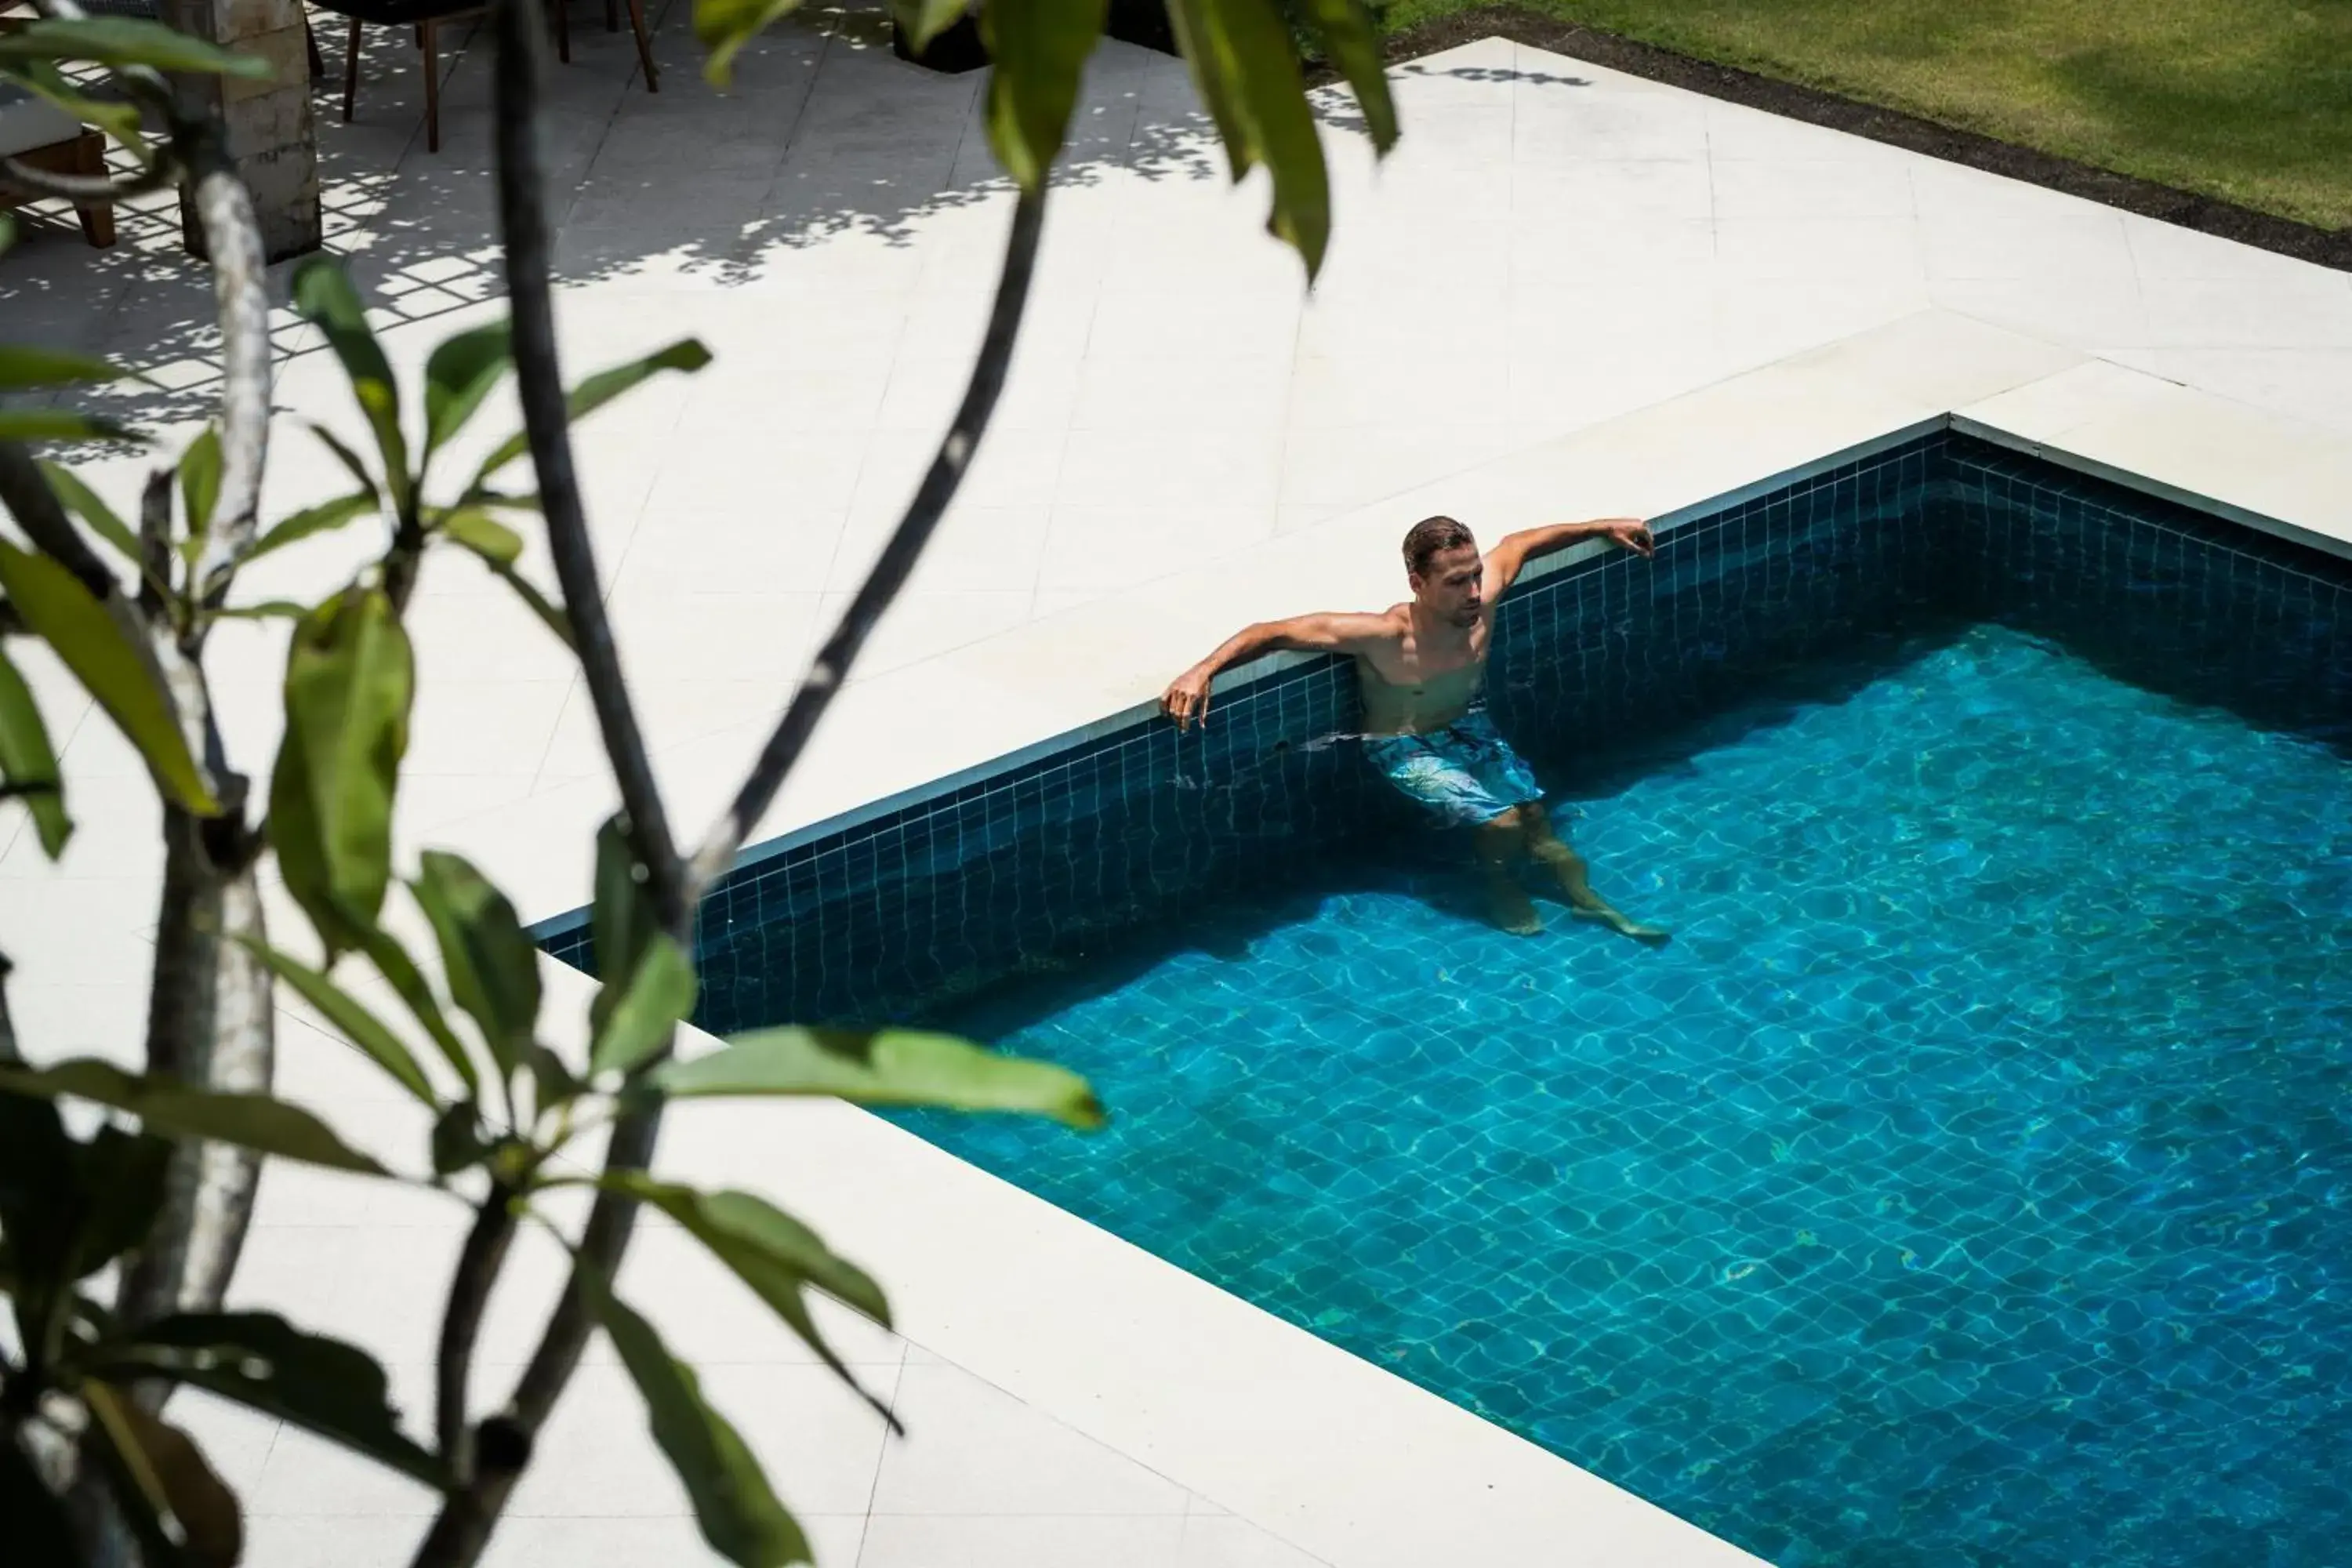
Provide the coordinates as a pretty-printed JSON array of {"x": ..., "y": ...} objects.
[{"x": 1453, "y": 586}]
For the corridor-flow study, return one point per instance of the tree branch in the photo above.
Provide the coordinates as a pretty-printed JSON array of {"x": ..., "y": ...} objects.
[
  {"x": 463, "y": 1527},
  {"x": 889, "y": 574},
  {"x": 155, "y": 541},
  {"x": 478, "y": 1264},
  {"x": 224, "y": 209},
  {"x": 8, "y": 1051},
  {"x": 539, "y": 379},
  {"x": 462, "y": 1530}
]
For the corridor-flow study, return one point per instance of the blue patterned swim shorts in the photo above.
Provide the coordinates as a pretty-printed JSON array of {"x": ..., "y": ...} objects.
[{"x": 1465, "y": 772}]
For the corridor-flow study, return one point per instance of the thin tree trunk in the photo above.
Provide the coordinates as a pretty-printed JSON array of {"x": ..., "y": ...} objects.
[{"x": 209, "y": 1022}]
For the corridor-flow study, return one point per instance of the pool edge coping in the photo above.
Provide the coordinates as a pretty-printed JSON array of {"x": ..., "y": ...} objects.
[{"x": 1981, "y": 420}]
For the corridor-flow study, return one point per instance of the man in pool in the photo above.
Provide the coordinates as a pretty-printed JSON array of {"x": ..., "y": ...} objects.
[{"x": 1421, "y": 664}]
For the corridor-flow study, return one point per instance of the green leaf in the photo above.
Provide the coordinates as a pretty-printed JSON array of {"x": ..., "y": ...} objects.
[
  {"x": 550, "y": 614},
  {"x": 28, "y": 761},
  {"x": 112, "y": 667},
  {"x": 686, "y": 354},
  {"x": 349, "y": 680},
  {"x": 499, "y": 547},
  {"x": 1247, "y": 69},
  {"x": 732, "y": 1501},
  {"x": 458, "y": 1141},
  {"x": 37, "y": 1525},
  {"x": 170, "y": 1109},
  {"x": 40, "y": 1209},
  {"x": 1352, "y": 43},
  {"x": 81, "y": 499},
  {"x": 22, "y": 366},
  {"x": 724, "y": 27},
  {"x": 492, "y": 963},
  {"x": 552, "y": 1082},
  {"x": 408, "y": 983},
  {"x": 127, "y": 41},
  {"x": 460, "y": 373},
  {"x": 923, "y": 20},
  {"x": 654, "y": 998},
  {"x": 262, "y": 610},
  {"x": 174, "y": 1498},
  {"x": 323, "y": 294},
  {"x": 777, "y": 1256},
  {"x": 122, "y": 1179},
  {"x": 887, "y": 1066},
  {"x": 264, "y": 1362},
  {"x": 1040, "y": 50},
  {"x": 60, "y": 424},
  {"x": 200, "y": 473},
  {"x": 485, "y": 535},
  {"x": 622, "y": 920},
  {"x": 501, "y": 498},
  {"x": 320, "y": 519},
  {"x": 345, "y": 456},
  {"x": 361, "y": 1027}
]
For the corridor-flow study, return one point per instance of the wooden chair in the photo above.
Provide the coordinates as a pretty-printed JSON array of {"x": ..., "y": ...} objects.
[
  {"x": 426, "y": 17},
  {"x": 40, "y": 135}
]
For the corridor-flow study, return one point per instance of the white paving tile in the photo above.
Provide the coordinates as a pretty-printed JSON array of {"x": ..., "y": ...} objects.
[
  {"x": 1033, "y": 1542},
  {"x": 973, "y": 1449}
]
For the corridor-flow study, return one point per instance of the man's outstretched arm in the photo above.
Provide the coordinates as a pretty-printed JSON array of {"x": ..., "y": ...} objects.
[
  {"x": 1514, "y": 551},
  {"x": 1186, "y": 700}
]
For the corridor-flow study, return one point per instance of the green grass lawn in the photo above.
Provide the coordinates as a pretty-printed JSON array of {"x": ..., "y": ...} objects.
[{"x": 2250, "y": 100}]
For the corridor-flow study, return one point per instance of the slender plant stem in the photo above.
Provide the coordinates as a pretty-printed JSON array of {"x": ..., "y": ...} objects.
[
  {"x": 155, "y": 544},
  {"x": 462, "y": 1529},
  {"x": 8, "y": 1051},
  {"x": 478, "y": 1264},
  {"x": 211, "y": 1018},
  {"x": 539, "y": 379},
  {"x": 223, "y": 210},
  {"x": 889, "y": 574}
]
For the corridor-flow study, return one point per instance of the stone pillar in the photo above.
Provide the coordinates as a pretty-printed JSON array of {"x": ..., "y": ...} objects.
[{"x": 272, "y": 136}]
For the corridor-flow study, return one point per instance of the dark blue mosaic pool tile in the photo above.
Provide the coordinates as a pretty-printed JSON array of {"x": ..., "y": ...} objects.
[
  {"x": 2197, "y": 606},
  {"x": 1007, "y": 874},
  {"x": 1016, "y": 872},
  {"x": 1621, "y": 645}
]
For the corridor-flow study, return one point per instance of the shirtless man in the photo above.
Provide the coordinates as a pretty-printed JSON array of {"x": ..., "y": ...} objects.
[{"x": 1421, "y": 664}]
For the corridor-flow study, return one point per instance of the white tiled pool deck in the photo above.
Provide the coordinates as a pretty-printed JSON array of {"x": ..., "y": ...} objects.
[{"x": 1570, "y": 292}]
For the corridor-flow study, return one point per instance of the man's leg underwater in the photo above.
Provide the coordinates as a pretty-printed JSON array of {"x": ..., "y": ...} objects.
[
  {"x": 1499, "y": 842},
  {"x": 1568, "y": 867}
]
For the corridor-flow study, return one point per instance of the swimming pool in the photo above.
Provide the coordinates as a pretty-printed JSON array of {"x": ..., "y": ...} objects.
[{"x": 1968, "y": 1183}]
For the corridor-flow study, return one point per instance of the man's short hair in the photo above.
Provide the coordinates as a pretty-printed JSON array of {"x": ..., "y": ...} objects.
[{"x": 1430, "y": 537}]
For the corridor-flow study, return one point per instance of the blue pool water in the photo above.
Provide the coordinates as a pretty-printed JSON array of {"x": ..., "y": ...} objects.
[{"x": 1971, "y": 1182}]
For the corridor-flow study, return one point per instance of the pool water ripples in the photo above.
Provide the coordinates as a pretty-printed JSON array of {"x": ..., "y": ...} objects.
[{"x": 1971, "y": 1182}]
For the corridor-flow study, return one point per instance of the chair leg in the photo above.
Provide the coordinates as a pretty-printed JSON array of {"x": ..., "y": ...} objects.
[
  {"x": 612, "y": 16},
  {"x": 310, "y": 47},
  {"x": 645, "y": 45},
  {"x": 430, "y": 34},
  {"x": 97, "y": 217},
  {"x": 352, "y": 72},
  {"x": 562, "y": 29}
]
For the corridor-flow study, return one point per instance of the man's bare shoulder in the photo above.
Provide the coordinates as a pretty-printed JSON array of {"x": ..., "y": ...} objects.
[{"x": 1355, "y": 630}]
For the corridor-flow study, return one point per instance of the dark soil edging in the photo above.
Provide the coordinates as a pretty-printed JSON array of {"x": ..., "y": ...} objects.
[{"x": 2208, "y": 214}]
